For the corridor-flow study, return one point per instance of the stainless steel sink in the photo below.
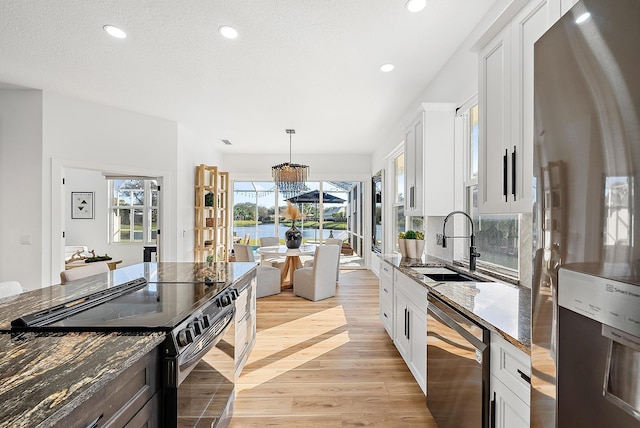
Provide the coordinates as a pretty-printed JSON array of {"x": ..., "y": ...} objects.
[{"x": 450, "y": 277}]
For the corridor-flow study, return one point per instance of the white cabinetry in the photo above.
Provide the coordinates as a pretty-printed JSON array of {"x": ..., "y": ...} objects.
[
  {"x": 505, "y": 96},
  {"x": 429, "y": 161},
  {"x": 385, "y": 285},
  {"x": 510, "y": 389},
  {"x": 410, "y": 325},
  {"x": 245, "y": 322}
]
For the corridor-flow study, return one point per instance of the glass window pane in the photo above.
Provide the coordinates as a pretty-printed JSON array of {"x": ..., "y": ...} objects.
[
  {"x": 473, "y": 133},
  {"x": 399, "y": 179},
  {"x": 138, "y": 198},
  {"x": 154, "y": 198},
  {"x": 123, "y": 198},
  {"x": 121, "y": 226},
  {"x": 138, "y": 225},
  {"x": 398, "y": 223},
  {"x": 496, "y": 236}
]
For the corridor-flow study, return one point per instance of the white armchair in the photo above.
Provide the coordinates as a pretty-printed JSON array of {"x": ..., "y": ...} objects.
[
  {"x": 330, "y": 241},
  {"x": 318, "y": 282},
  {"x": 10, "y": 288},
  {"x": 268, "y": 277},
  {"x": 84, "y": 271}
]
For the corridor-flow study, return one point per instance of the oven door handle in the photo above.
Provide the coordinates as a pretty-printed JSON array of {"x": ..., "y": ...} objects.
[
  {"x": 209, "y": 339},
  {"x": 435, "y": 312}
]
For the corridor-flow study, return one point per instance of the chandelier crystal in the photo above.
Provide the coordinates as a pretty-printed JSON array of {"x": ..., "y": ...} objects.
[{"x": 290, "y": 178}]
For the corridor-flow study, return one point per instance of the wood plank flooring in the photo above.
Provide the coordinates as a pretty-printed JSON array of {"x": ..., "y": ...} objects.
[{"x": 327, "y": 364}]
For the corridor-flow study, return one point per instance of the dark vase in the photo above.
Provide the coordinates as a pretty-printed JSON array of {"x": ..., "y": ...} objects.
[{"x": 293, "y": 237}]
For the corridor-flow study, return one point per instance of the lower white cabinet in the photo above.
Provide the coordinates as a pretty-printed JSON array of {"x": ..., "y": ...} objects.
[
  {"x": 509, "y": 411},
  {"x": 510, "y": 384},
  {"x": 410, "y": 325},
  {"x": 385, "y": 297}
]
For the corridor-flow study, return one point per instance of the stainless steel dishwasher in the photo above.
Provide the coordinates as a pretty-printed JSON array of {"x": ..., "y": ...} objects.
[{"x": 457, "y": 367}]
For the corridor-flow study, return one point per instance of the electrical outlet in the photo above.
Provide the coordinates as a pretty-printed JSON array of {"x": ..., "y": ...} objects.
[{"x": 439, "y": 238}]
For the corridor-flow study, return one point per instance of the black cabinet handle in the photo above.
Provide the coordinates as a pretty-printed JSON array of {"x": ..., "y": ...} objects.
[
  {"x": 408, "y": 325},
  {"x": 504, "y": 175},
  {"x": 493, "y": 411},
  {"x": 524, "y": 376},
  {"x": 411, "y": 192},
  {"x": 513, "y": 173},
  {"x": 405, "y": 322},
  {"x": 94, "y": 423}
]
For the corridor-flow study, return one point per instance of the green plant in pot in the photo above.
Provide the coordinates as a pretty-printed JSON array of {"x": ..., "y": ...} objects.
[
  {"x": 414, "y": 242},
  {"x": 402, "y": 245}
]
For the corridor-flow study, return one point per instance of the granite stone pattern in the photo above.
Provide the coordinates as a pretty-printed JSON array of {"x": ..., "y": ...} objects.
[
  {"x": 500, "y": 307},
  {"x": 45, "y": 376}
]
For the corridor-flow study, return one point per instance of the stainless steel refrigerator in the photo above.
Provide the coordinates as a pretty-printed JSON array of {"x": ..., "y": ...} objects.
[{"x": 586, "y": 287}]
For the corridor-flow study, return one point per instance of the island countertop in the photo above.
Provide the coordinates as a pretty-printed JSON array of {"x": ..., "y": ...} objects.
[
  {"x": 45, "y": 376},
  {"x": 501, "y": 307}
]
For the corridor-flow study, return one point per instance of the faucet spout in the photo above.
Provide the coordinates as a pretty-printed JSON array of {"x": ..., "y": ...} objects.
[{"x": 473, "y": 253}]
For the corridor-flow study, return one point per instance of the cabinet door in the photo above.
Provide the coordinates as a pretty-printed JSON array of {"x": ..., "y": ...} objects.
[
  {"x": 508, "y": 410},
  {"x": 438, "y": 172},
  {"x": 413, "y": 160},
  {"x": 385, "y": 296},
  {"x": 526, "y": 29},
  {"x": 493, "y": 110},
  {"x": 401, "y": 323},
  {"x": 418, "y": 343}
]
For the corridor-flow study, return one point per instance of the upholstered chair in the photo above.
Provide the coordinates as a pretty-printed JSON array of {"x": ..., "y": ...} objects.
[
  {"x": 330, "y": 241},
  {"x": 10, "y": 288},
  {"x": 82, "y": 272},
  {"x": 268, "y": 277},
  {"x": 318, "y": 281}
]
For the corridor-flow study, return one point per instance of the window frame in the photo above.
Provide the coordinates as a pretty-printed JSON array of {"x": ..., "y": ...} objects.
[{"x": 147, "y": 208}]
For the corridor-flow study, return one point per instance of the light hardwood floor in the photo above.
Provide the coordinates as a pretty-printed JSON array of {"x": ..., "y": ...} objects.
[{"x": 327, "y": 364}]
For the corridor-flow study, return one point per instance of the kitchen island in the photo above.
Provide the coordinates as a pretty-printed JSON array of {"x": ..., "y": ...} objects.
[{"x": 50, "y": 378}]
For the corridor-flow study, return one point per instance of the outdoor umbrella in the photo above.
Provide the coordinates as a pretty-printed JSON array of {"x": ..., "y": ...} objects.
[{"x": 313, "y": 197}]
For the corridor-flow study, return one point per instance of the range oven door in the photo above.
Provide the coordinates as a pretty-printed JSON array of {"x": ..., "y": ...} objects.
[
  {"x": 199, "y": 385},
  {"x": 457, "y": 368}
]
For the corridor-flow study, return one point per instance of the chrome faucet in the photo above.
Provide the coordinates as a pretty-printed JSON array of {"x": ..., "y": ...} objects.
[{"x": 473, "y": 253}]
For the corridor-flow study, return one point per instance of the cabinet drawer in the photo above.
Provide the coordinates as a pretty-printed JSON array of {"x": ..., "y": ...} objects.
[
  {"x": 511, "y": 366},
  {"x": 386, "y": 317},
  {"x": 386, "y": 272},
  {"x": 416, "y": 293},
  {"x": 386, "y": 294},
  {"x": 122, "y": 398}
]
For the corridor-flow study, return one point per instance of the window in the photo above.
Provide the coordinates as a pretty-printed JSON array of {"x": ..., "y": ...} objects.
[
  {"x": 496, "y": 235},
  {"x": 398, "y": 198},
  {"x": 133, "y": 210}
]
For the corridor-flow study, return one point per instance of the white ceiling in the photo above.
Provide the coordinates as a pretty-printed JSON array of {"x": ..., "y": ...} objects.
[{"x": 308, "y": 65}]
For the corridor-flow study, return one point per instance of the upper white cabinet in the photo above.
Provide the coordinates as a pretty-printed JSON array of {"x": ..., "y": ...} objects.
[
  {"x": 505, "y": 96},
  {"x": 429, "y": 161}
]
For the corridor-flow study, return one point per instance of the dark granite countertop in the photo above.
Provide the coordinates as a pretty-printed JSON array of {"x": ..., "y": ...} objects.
[
  {"x": 167, "y": 272},
  {"x": 44, "y": 376},
  {"x": 501, "y": 307}
]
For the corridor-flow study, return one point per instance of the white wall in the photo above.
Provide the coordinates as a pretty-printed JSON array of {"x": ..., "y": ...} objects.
[
  {"x": 86, "y": 135},
  {"x": 193, "y": 151},
  {"x": 21, "y": 181}
]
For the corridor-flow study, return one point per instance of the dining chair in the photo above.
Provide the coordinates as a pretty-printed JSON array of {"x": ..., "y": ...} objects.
[
  {"x": 318, "y": 281},
  {"x": 83, "y": 272},
  {"x": 330, "y": 241},
  {"x": 269, "y": 241},
  {"x": 10, "y": 288},
  {"x": 271, "y": 260},
  {"x": 246, "y": 239},
  {"x": 268, "y": 277}
]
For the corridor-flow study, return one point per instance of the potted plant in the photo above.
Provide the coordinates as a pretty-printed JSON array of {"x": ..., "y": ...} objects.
[
  {"x": 414, "y": 242},
  {"x": 402, "y": 245}
]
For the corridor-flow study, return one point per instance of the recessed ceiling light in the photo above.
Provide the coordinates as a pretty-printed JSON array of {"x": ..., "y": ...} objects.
[
  {"x": 583, "y": 18},
  {"x": 386, "y": 68},
  {"x": 228, "y": 32},
  {"x": 415, "y": 5},
  {"x": 227, "y": 142},
  {"x": 115, "y": 31}
]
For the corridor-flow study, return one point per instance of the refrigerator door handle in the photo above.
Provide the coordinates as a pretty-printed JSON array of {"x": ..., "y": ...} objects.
[
  {"x": 504, "y": 175},
  {"x": 513, "y": 173}
]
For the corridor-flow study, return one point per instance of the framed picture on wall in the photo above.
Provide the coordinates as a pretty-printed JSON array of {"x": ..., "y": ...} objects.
[{"x": 81, "y": 204}]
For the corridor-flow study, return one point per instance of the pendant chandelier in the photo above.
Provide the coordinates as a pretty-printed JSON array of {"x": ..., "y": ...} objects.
[{"x": 290, "y": 177}]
